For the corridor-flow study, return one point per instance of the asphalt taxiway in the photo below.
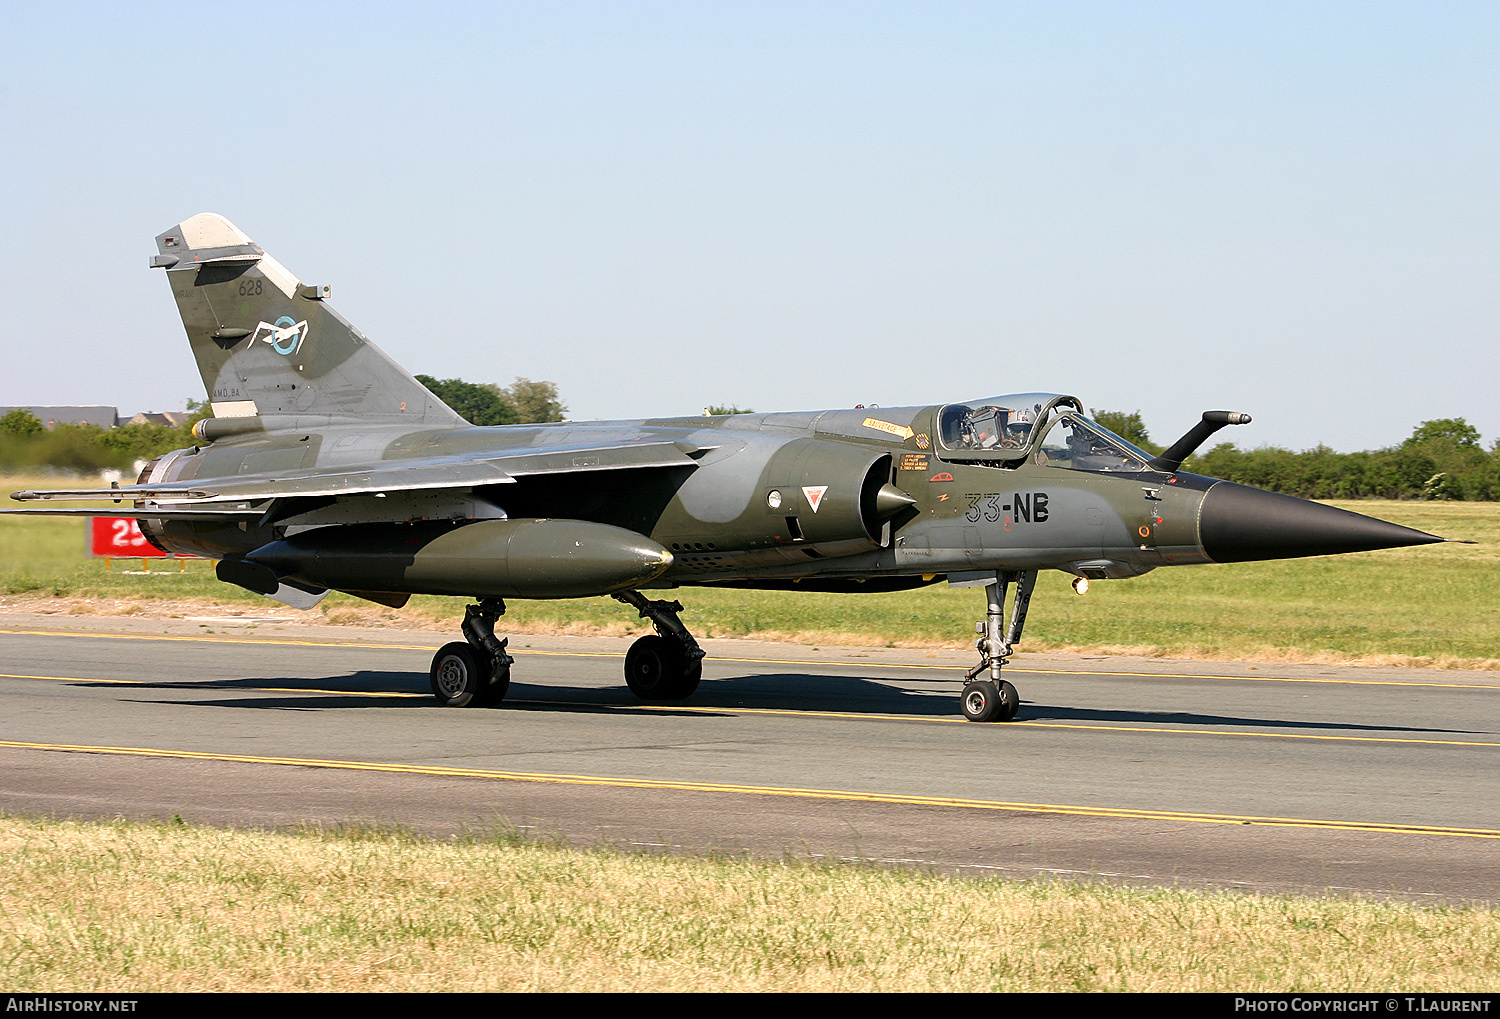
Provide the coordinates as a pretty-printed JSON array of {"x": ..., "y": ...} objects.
[{"x": 1271, "y": 777}]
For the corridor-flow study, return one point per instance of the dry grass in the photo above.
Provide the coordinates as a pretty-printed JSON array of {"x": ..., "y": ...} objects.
[{"x": 128, "y": 907}]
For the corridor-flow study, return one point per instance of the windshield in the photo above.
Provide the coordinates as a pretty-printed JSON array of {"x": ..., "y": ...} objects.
[
  {"x": 1076, "y": 443},
  {"x": 1000, "y": 425}
]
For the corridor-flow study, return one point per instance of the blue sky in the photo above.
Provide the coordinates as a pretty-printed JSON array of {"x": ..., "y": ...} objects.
[{"x": 1287, "y": 209}]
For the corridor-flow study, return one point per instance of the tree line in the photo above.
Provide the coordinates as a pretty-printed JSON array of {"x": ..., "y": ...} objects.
[
  {"x": 27, "y": 444},
  {"x": 485, "y": 403},
  {"x": 1442, "y": 459}
]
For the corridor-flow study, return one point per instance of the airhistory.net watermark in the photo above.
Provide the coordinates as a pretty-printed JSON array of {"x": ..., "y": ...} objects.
[{"x": 50, "y": 1003}]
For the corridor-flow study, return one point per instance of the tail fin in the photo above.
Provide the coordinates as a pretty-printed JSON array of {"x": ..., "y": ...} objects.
[{"x": 268, "y": 345}]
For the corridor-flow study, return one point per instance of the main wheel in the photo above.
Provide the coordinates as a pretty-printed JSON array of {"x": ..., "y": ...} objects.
[
  {"x": 656, "y": 669},
  {"x": 692, "y": 675},
  {"x": 986, "y": 701},
  {"x": 499, "y": 683},
  {"x": 462, "y": 678}
]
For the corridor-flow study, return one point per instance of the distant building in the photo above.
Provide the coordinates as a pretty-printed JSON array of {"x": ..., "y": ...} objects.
[
  {"x": 104, "y": 417},
  {"x": 170, "y": 418}
]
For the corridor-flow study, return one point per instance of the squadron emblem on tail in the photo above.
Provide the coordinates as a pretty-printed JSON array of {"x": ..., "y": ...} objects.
[{"x": 284, "y": 335}]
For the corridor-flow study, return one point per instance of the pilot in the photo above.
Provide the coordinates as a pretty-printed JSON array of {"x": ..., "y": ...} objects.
[{"x": 1018, "y": 428}]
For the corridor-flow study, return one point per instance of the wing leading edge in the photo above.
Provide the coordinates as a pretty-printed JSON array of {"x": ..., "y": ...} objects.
[{"x": 389, "y": 476}]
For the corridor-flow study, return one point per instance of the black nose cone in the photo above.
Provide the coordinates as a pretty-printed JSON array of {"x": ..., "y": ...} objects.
[{"x": 1240, "y": 524}]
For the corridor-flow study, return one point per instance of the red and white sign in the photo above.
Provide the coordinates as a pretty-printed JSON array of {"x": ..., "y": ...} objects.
[
  {"x": 814, "y": 495},
  {"x": 120, "y": 538}
]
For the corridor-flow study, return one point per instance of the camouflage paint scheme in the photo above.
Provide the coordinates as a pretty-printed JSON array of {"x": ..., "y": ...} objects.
[{"x": 327, "y": 465}]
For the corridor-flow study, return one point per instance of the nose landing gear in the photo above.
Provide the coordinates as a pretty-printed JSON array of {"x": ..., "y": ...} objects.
[{"x": 994, "y": 699}]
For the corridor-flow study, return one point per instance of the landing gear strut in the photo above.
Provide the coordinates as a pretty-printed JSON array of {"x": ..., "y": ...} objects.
[
  {"x": 665, "y": 665},
  {"x": 474, "y": 672},
  {"x": 993, "y": 699}
]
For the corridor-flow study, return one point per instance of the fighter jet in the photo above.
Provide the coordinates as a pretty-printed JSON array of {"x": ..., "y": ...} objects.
[{"x": 326, "y": 466}]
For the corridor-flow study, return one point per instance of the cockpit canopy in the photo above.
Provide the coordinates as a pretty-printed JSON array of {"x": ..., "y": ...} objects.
[
  {"x": 1009, "y": 429},
  {"x": 1000, "y": 428},
  {"x": 1075, "y": 442}
]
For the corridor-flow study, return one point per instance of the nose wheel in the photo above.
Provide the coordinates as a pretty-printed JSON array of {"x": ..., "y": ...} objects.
[{"x": 987, "y": 701}]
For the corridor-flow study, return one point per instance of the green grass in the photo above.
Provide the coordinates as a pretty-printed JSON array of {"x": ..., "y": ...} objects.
[
  {"x": 1434, "y": 605},
  {"x": 120, "y": 908}
]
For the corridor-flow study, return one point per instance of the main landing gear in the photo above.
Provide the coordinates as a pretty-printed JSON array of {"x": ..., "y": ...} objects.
[
  {"x": 668, "y": 664},
  {"x": 993, "y": 699},
  {"x": 665, "y": 665},
  {"x": 474, "y": 672}
]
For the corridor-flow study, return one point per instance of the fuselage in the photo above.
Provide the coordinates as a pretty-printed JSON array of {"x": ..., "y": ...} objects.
[{"x": 767, "y": 498}]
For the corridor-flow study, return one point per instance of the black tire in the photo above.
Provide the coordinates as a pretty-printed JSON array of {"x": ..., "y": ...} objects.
[
  {"x": 499, "y": 683},
  {"x": 460, "y": 677},
  {"x": 985, "y": 701},
  {"x": 688, "y": 684},
  {"x": 657, "y": 669},
  {"x": 1010, "y": 702}
]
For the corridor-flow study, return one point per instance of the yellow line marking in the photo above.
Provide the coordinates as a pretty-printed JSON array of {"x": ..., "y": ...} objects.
[
  {"x": 762, "y": 661},
  {"x": 205, "y": 639},
  {"x": 710, "y": 709},
  {"x": 210, "y": 685},
  {"x": 67, "y": 679},
  {"x": 788, "y": 712},
  {"x": 759, "y": 790},
  {"x": 1264, "y": 735}
]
